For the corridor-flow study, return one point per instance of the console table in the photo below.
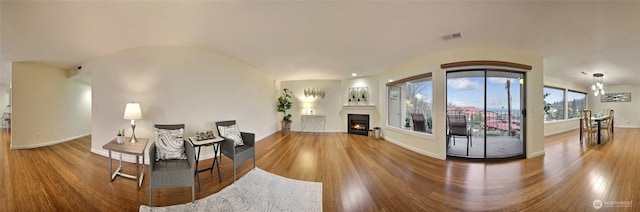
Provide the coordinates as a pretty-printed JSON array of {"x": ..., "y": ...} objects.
[
  {"x": 136, "y": 149},
  {"x": 316, "y": 122}
]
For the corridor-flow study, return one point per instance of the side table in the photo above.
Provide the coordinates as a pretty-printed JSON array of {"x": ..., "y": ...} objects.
[
  {"x": 136, "y": 149},
  {"x": 215, "y": 142}
]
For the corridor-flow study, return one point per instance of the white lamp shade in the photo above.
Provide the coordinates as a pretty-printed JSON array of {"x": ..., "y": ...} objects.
[{"x": 132, "y": 111}]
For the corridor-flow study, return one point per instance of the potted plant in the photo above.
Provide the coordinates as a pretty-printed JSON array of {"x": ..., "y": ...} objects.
[
  {"x": 120, "y": 136},
  {"x": 284, "y": 104}
]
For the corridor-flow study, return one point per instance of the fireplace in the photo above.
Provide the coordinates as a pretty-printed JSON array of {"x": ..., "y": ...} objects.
[{"x": 358, "y": 124}]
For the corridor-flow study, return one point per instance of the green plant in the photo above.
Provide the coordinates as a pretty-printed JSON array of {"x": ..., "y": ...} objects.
[
  {"x": 120, "y": 132},
  {"x": 284, "y": 104},
  {"x": 547, "y": 106}
]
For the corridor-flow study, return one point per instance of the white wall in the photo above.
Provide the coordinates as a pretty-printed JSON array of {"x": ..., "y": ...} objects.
[
  {"x": 333, "y": 106},
  {"x": 47, "y": 107},
  {"x": 179, "y": 85},
  {"x": 560, "y": 126},
  {"x": 372, "y": 109},
  {"x": 626, "y": 114},
  {"x": 434, "y": 145},
  {"x": 370, "y": 82},
  {"x": 329, "y": 106},
  {"x": 5, "y": 90}
]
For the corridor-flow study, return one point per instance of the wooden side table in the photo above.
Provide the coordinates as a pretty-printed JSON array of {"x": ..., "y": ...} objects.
[
  {"x": 215, "y": 142},
  {"x": 136, "y": 149}
]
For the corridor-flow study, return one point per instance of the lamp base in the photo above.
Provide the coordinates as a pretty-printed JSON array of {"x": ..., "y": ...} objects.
[
  {"x": 133, "y": 132},
  {"x": 133, "y": 140}
]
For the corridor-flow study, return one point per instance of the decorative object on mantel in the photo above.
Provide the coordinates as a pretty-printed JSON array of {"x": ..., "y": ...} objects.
[
  {"x": 358, "y": 96},
  {"x": 314, "y": 92},
  {"x": 616, "y": 97},
  {"x": 284, "y": 104}
]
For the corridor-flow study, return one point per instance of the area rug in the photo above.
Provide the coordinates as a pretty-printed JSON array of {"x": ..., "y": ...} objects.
[{"x": 258, "y": 190}]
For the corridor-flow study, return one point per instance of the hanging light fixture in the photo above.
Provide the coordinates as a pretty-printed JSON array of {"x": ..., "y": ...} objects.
[{"x": 598, "y": 84}]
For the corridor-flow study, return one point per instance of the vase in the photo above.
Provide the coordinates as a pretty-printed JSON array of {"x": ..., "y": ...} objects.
[
  {"x": 286, "y": 127},
  {"x": 120, "y": 139}
]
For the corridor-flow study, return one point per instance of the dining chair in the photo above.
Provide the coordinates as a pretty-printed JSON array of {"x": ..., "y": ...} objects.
[
  {"x": 588, "y": 129},
  {"x": 607, "y": 125}
]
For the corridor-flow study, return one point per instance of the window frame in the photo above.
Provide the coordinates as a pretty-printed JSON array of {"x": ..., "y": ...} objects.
[
  {"x": 402, "y": 97},
  {"x": 564, "y": 103},
  {"x": 567, "y": 103}
]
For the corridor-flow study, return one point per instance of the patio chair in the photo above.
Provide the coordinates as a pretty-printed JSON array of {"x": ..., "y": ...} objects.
[
  {"x": 418, "y": 122},
  {"x": 457, "y": 126}
]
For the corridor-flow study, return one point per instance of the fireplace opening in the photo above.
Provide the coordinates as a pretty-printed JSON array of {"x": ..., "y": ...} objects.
[{"x": 358, "y": 124}]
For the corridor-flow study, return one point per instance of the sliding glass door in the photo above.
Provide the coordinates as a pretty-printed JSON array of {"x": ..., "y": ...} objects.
[{"x": 485, "y": 113}]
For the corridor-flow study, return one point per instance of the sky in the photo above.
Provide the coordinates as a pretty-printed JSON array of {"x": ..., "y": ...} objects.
[
  {"x": 557, "y": 95},
  {"x": 469, "y": 91}
]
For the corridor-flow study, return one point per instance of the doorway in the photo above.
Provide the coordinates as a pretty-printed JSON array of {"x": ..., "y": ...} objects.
[{"x": 485, "y": 114}]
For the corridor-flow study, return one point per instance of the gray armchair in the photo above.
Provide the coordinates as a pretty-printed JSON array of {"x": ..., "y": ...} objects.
[
  {"x": 172, "y": 173},
  {"x": 238, "y": 154}
]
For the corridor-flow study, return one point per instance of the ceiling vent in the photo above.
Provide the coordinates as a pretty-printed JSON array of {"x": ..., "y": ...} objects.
[{"x": 452, "y": 36}]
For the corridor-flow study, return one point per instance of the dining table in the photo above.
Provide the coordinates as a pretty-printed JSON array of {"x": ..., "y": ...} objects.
[{"x": 598, "y": 120}]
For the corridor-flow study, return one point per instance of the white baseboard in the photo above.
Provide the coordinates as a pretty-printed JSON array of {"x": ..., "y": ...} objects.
[
  {"x": 31, "y": 146},
  {"x": 536, "y": 154},
  {"x": 559, "y": 132},
  {"x": 430, "y": 154},
  {"x": 625, "y": 126}
]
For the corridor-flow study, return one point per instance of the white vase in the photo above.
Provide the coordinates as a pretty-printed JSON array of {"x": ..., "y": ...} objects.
[{"x": 120, "y": 139}]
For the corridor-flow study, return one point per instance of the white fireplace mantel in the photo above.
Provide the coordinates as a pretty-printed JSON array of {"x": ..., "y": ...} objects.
[
  {"x": 370, "y": 110},
  {"x": 356, "y": 107}
]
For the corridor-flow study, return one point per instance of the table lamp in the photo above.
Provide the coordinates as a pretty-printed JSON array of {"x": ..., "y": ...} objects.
[{"x": 132, "y": 112}]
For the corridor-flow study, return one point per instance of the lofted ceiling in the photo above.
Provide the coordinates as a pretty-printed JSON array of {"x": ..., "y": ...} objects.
[{"x": 296, "y": 40}]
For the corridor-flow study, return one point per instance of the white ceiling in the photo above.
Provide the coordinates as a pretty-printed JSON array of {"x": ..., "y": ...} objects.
[{"x": 294, "y": 40}]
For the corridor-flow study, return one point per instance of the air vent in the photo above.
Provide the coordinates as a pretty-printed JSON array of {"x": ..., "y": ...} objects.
[{"x": 452, "y": 36}]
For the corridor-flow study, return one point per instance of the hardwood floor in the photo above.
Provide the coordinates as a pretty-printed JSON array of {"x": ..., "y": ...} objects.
[{"x": 358, "y": 174}]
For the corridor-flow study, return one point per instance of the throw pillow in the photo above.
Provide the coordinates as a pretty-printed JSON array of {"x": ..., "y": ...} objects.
[
  {"x": 231, "y": 132},
  {"x": 169, "y": 144}
]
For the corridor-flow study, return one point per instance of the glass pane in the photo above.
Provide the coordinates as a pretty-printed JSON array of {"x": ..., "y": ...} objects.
[
  {"x": 576, "y": 102},
  {"x": 395, "y": 112},
  {"x": 465, "y": 113},
  {"x": 410, "y": 105},
  {"x": 553, "y": 104},
  {"x": 418, "y": 100},
  {"x": 503, "y": 116}
]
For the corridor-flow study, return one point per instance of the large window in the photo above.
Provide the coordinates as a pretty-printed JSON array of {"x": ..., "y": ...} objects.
[
  {"x": 553, "y": 104},
  {"x": 410, "y": 102},
  {"x": 576, "y": 102}
]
